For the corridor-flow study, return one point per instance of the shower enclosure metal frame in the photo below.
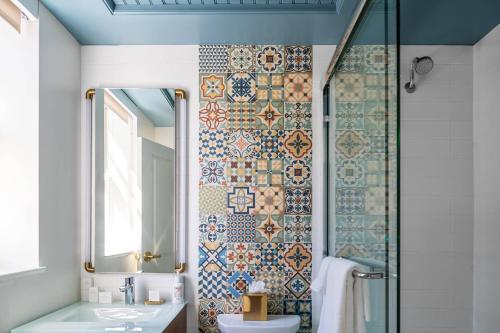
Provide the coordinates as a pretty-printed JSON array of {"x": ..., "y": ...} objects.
[{"x": 335, "y": 62}]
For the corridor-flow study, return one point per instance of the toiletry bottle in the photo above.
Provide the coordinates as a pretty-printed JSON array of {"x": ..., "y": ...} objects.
[{"x": 178, "y": 290}]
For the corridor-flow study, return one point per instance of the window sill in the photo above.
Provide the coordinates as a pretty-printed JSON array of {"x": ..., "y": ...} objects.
[{"x": 27, "y": 272}]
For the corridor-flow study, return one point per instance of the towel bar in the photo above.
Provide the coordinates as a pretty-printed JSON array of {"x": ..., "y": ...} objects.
[{"x": 368, "y": 275}]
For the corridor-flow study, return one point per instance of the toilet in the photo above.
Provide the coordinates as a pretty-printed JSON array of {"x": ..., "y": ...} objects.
[{"x": 234, "y": 323}]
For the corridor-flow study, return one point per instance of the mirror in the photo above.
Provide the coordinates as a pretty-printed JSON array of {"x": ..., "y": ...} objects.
[{"x": 135, "y": 153}]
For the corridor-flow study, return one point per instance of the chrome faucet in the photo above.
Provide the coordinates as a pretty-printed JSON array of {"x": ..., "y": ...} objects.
[{"x": 129, "y": 289}]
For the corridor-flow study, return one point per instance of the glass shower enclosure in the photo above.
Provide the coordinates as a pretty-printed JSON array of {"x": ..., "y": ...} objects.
[{"x": 362, "y": 147}]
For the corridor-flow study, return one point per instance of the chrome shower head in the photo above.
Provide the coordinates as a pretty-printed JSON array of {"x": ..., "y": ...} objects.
[{"x": 421, "y": 66}]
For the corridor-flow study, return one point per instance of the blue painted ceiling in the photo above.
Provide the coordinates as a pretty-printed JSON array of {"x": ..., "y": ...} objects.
[{"x": 137, "y": 22}]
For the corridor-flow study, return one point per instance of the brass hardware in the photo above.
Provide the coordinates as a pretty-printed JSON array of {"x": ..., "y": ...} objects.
[
  {"x": 90, "y": 94},
  {"x": 160, "y": 302},
  {"x": 89, "y": 268},
  {"x": 180, "y": 267},
  {"x": 180, "y": 93},
  {"x": 148, "y": 256}
]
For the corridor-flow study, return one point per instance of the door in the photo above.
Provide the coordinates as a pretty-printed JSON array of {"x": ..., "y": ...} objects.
[
  {"x": 362, "y": 130},
  {"x": 158, "y": 206}
]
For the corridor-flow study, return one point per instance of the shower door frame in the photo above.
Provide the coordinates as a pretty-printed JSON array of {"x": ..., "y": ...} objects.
[{"x": 342, "y": 47}]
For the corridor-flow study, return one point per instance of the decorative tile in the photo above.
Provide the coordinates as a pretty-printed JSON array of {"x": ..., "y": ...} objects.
[
  {"x": 349, "y": 173},
  {"x": 350, "y": 229},
  {"x": 349, "y": 87},
  {"x": 376, "y": 201},
  {"x": 269, "y": 200},
  {"x": 209, "y": 309},
  {"x": 376, "y": 59},
  {"x": 298, "y": 200},
  {"x": 213, "y": 87},
  {"x": 240, "y": 116},
  {"x": 213, "y": 228},
  {"x": 270, "y": 257},
  {"x": 213, "y": 144},
  {"x": 212, "y": 173},
  {"x": 269, "y": 172},
  {"x": 270, "y": 144},
  {"x": 270, "y": 87},
  {"x": 269, "y": 228},
  {"x": 376, "y": 117},
  {"x": 351, "y": 143},
  {"x": 350, "y": 201},
  {"x": 349, "y": 115},
  {"x": 298, "y": 256},
  {"x": 240, "y": 228},
  {"x": 213, "y": 59},
  {"x": 213, "y": 115},
  {"x": 353, "y": 60},
  {"x": 297, "y": 284},
  {"x": 298, "y": 59},
  {"x": 238, "y": 282},
  {"x": 241, "y": 58},
  {"x": 212, "y": 200},
  {"x": 239, "y": 172},
  {"x": 274, "y": 283},
  {"x": 298, "y": 116},
  {"x": 298, "y": 173},
  {"x": 242, "y": 143},
  {"x": 241, "y": 257},
  {"x": 298, "y": 144},
  {"x": 269, "y": 115},
  {"x": 298, "y": 229},
  {"x": 270, "y": 59},
  {"x": 302, "y": 308},
  {"x": 212, "y": 284},
  {"x": 241, "y": 87},
  {"x": 240, "y": 200},
  {"x": 212, "y": 256},
  {"x": 234, "y": 305},
  {"x": 298, "y": 87},
  {"x": 275, "y": 306}
]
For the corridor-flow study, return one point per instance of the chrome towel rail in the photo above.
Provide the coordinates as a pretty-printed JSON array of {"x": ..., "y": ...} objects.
[{"x": 368, "y": 275}]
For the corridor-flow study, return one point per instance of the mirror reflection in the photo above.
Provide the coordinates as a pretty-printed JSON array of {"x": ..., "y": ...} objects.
[{"x": 134, "y": 141}]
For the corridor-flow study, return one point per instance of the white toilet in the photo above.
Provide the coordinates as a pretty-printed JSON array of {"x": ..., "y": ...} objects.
[{"x": 234, "y": 323}]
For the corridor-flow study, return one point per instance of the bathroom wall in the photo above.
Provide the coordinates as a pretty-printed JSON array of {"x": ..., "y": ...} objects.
[
  {"x": 436, "y": 193},
  {"x": 486, "y": 183},
  {"x": 29, "y": 296},
  {"x": 255, "y": 155},
  {"x": 178, "y": 66}
]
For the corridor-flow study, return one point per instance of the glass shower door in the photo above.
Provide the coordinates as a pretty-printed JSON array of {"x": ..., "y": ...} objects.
[{"x": 363, "y": 157}]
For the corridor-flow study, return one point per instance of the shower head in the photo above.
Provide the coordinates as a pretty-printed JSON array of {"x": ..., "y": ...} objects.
[{"x": 421, "y": 66}]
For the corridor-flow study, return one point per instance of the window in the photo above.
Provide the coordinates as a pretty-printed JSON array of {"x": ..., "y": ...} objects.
[{"x": 18, "y": 144}]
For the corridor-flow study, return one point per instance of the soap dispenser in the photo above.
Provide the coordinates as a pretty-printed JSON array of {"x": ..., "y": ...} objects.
[{"x": 178, "y": 290}]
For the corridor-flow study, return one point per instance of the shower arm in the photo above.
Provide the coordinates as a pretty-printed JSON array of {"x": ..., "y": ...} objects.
[{"x": 412, "y": 75}]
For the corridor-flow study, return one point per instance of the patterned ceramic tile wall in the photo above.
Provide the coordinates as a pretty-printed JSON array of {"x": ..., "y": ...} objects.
[
  {"x": 365, "y": 136},
  {"x": 255, "y": 187}
]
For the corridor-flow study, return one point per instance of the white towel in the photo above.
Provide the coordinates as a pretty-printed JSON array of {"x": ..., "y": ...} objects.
[{"x": 344, "y": 298}]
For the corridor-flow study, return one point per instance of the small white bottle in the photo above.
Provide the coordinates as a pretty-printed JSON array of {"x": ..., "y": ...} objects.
[{"x": 178, "y": 290}]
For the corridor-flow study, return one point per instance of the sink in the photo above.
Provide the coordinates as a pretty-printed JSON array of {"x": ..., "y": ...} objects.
[
  {"x": 134, "y": 314},
  {"x": 87, "y": 317}
]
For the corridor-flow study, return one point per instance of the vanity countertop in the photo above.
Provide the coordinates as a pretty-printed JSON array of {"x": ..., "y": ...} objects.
[{"x": 116, "y": 317}]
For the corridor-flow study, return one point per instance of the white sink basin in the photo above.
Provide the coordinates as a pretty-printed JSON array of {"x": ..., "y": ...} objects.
[
  {"x": 87, "y": 317},
  {"x": 130, "y": 314}
]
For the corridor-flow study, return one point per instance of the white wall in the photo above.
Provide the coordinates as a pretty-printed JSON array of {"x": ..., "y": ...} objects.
[
  {"x": 166, "y": 67},
  {"x": 19, "y": 146},
  {"x": 436, "y": 193},
  {"x": 487, "y": 183},
  {"x": 27, "y": 297}
]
